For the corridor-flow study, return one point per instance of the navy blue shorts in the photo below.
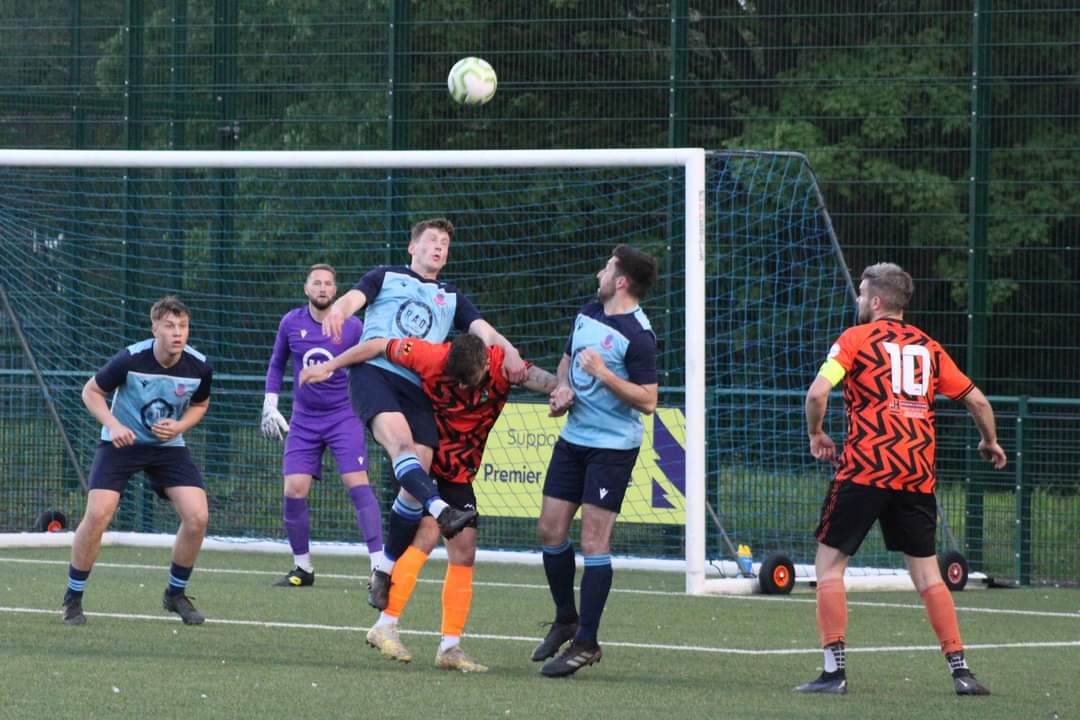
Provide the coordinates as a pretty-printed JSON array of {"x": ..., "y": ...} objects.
[
  {"x": 908, "y": 519},
  {"x": 373, "y": 390},
  {"x": 593, "y": 476},
  {"x": 165, "y": 467}
]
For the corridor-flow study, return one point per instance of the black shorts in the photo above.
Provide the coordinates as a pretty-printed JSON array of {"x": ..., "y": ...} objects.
[
  {"x": 458, "y": 495},
  {"x": 165, "y": 467},
  {"x": 594, "y": 476},
  {"x": 373, "y": 390},
  {"x": 908, "y": 519}
]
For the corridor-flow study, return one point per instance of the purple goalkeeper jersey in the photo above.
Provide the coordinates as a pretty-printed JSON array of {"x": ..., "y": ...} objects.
[{"x": 301, "y": 336}]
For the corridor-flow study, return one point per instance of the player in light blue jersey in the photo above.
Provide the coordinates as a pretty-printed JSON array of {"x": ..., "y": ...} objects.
[
  {"x": 606, "y": 379},
  {"x": 401, "y": 302},
  {"x": 321, "y": 418},
  {"x": 161, "y": 389}
]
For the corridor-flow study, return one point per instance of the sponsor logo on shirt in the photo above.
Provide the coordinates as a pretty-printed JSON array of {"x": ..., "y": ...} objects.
[{"x": 316, "y": 356}]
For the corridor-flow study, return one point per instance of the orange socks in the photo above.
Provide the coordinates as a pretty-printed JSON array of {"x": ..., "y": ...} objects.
[
  {"x": 942, "y": 613},
  {"x": 831, "y": 611},
  {"x": 456, "y": 596},
  {"x": 456, "y": 599},
  {"x": 403, "y": 580}
]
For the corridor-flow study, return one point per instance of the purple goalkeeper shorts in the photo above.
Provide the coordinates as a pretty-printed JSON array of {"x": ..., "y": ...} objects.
[{"x": 309, "y": 435}]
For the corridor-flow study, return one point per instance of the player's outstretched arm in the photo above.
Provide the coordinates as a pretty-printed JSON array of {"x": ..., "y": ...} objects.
[
  {"x": 822, "y": 446},
  {"x": 357, "y": 354},
  {"x": 513, "y": 365},
  {"x": 97, "y": 402},
  {"x": 983, "y": 415},
  {"x": 540, "y": 380},
  {"x": 344, "y": 307}
]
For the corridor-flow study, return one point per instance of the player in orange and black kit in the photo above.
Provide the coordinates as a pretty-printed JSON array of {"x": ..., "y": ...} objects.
[
  {"x": 891, "y": 372},
  {"x": 468, "y": 389}
]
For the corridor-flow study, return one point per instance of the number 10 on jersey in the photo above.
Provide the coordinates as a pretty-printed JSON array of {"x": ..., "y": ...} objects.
[{"x": 902, "y": 360}]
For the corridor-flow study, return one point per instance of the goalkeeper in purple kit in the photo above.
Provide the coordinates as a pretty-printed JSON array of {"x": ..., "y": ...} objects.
[{"x": 321, "y": 417}]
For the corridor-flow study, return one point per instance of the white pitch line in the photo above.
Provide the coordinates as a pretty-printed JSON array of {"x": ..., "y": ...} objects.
[
  {"x": 906, "y": 606},
  {"x": 626, "y": 591},
  {"x": 521, "y": 638}
]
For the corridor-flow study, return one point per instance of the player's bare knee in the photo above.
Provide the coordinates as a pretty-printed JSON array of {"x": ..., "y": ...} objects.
[
  {"x": 427, "y": 535},
  {"x": 97, "y": 518},
  {"x": 461, "y": 549},
  {"x": 594, "y": 545},
  {"x": 396, "y": 447},
  {"x": 924, "y": 572},
  {"x": 196, "y": 521},
  {"x": 551, "y": 531}
]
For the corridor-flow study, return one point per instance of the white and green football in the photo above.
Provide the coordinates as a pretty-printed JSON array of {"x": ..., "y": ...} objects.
[{"x": 471, "y": 81}]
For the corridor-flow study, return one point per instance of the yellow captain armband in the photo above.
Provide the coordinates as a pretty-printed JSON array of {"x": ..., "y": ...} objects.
[{"x": 833, "y": 371}]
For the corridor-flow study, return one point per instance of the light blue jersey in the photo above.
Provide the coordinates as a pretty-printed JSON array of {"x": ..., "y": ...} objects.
[
  {"x": 598, "y": 418},
  {"x": 401, "y": 304},
  {"x": 146, "y": 392}
]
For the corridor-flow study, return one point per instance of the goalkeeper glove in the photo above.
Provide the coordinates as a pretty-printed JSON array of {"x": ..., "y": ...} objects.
[{"x": 274, "y": 424}]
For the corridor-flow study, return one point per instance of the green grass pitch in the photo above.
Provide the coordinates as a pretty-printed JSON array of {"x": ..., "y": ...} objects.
[{"x": 282, "y": 652}]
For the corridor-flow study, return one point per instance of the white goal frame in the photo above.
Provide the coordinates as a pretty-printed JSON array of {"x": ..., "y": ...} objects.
[{"x": 692, "y": 160}]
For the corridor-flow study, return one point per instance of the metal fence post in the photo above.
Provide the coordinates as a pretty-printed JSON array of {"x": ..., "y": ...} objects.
[
  {"x": 1022, "y": 553},
  {"x": 977, "y": 253}
]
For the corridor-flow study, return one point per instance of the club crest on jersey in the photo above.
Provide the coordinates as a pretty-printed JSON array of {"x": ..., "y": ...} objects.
[
  {"x": 181, "y": 390},
  {"x": 584, "y": 383},
  {"x": 608, "y": 342},
  {"x": 414, "y": 319},
  {"x": 303, "y": 333},
  {"x": 440, "y": 299},
  {"x": 154, "y": 411}
]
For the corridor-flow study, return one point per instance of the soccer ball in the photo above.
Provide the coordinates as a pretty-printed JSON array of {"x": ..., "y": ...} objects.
[{"x": 471, "y": 81}]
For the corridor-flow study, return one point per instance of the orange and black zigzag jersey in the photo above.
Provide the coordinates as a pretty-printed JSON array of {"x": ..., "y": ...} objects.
[
  {"x": 464, "y": 416},
  {"x": 893, "y": 370}
]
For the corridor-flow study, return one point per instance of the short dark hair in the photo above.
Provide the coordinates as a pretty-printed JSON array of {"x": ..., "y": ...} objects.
[
  {"x": 321, "y": 266},
  {"x": 438, "y": 223},
  {"x": 890, "y": 283},
  {"x": 636, "y": 266},
  {"x": 466, "y": 359},
  {"x": 168, "y": 305}
]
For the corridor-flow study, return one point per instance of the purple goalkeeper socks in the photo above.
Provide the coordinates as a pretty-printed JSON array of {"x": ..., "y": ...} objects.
[
  {"x": 297, "y": 524},
  {"x": 368, "y": 519}
]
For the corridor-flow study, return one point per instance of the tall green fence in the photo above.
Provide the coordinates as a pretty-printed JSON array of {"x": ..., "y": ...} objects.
[{"x": 946, "y": 137}]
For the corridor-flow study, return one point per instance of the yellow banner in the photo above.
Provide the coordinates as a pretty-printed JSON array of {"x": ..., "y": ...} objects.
[{"x": 510, "y": 481}]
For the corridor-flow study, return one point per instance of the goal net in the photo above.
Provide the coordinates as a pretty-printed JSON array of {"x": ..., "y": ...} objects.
[{"x": 752, "y": 291}]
